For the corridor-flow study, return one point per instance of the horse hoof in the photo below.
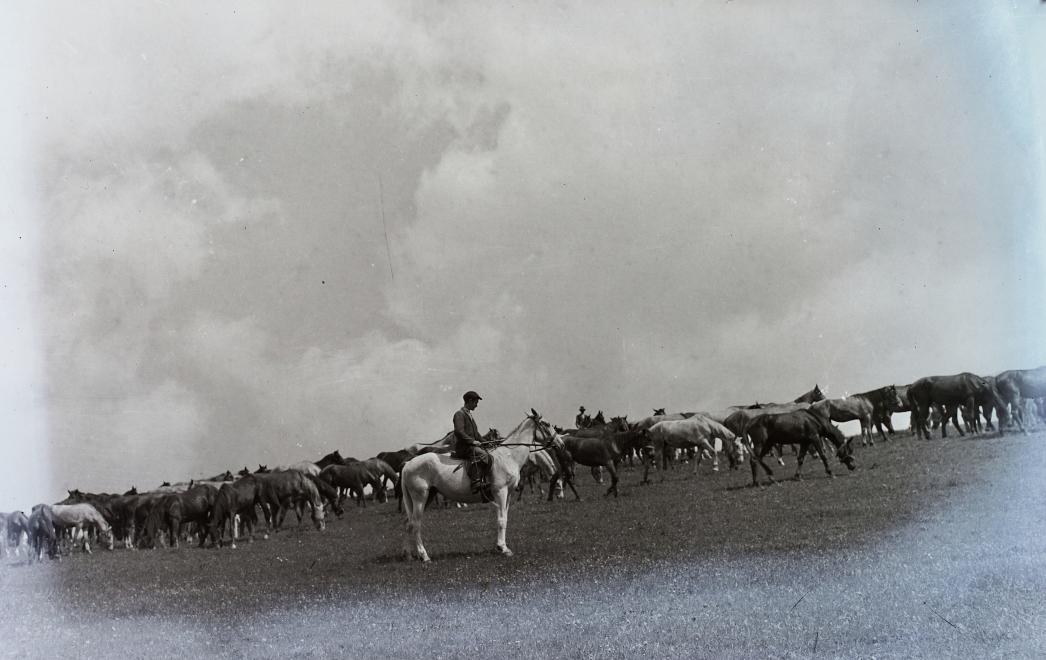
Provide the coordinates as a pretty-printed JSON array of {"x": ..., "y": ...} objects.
[{"x": 504, "y": 552}]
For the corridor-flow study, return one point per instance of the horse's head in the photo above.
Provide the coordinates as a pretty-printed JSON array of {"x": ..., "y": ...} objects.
[
  {"x": 317, "y": 516},
  {"x": 845, "y": 454},
  {"x": 227, "y": 476},
  {"x": 542, "y": 430},
  {"x": 165, "y": 484},
  {"x": 133, "y": 491},
  {"x": 735, "y": 451},
  {"x": 892, "y": 399},
  {"x": 658, "y": 412},
  {"x": 843, "y": 447},
  {"x": 262, "y": 469},
  {"x": 107, "y": 536},
  {"x": 244, "y": 472}
]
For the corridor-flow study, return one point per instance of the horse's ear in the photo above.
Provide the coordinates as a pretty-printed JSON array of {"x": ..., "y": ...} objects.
[{"x": 534, "y": 413}]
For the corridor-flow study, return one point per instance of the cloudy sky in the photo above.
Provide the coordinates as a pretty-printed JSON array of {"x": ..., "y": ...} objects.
[{"x": 252, "y": 234}]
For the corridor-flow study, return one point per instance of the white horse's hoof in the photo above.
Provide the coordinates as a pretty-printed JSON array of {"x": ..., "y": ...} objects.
[{"x": 505, "y": 552}]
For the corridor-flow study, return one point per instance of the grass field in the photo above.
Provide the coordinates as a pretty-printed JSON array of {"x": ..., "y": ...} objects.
[{"x": 929, "y": 549}]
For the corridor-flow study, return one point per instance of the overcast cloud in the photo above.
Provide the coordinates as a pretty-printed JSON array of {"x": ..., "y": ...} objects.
[{"x": 252, "y": 234}]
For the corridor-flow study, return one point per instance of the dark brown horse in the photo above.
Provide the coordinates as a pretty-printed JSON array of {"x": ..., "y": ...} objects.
[
  {"x": 604, "y": 451},
  {"x": 176, "y": 511},
  {"x": 236, "y": 503},
  {"x": 42, "y": 536},
  {"x": 1018, "y": 384},
  {"x": 333, "y": 458},
  {"x": 352, "y": 478},
  {"x": 947, "y": 394},
  {"x": 802, "y": 427}
]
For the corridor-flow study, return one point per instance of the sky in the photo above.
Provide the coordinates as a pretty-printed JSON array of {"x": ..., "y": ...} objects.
[{"x": 255, "y": 233}]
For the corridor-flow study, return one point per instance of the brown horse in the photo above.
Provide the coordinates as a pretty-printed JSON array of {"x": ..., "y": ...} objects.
[
  {"x": 803, "y": 427},
  {"x": 604, "y": 451},
  {"x": 865, "y": 407},
  {"x": 1018, "y": 384},
  {"x": 947, "y": 394},
  {"x": 351, "y": 478},
  {"x": 236, "y": 503}
]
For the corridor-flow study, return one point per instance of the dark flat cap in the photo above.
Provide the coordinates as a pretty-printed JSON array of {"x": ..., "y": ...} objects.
[{"x": 472, "y": 395}]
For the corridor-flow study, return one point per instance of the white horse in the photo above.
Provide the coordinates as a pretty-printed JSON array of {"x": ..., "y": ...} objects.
[
  {"x": 79, "y": 519},
  {"x": 447, "y": 476},
  {"x": 697, "y": 431},
  {"x": 308, "y": 467}
]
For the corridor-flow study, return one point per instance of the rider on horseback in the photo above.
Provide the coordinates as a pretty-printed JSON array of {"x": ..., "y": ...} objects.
[{"x": 467, "y": 446}]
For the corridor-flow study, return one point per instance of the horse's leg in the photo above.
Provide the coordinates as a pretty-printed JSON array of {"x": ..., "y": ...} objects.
[
  {"x": 613, "y": 479},
  {"x": 779, "y": 451},
  {"x": 570, "y": 482},
  {"x": 501, "y": 511},
  {"x": 763, "y": 451},
  {"x": 953, "y": 414},
  {"x": 819, "y": 448},
  {"x": 799, "y": 462}
]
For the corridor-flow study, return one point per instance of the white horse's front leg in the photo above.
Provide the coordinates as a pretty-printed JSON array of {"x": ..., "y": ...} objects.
[{"x": 501, "y": 510}]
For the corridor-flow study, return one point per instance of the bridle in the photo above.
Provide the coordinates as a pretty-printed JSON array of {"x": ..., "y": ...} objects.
[{"x": 543, "y": 443}]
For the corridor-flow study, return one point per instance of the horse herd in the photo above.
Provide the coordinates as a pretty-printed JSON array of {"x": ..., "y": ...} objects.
[{"x": 225, "y": 508}]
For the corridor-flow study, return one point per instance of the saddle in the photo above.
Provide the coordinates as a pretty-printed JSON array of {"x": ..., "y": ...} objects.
[{"x": 478, "y": 471}]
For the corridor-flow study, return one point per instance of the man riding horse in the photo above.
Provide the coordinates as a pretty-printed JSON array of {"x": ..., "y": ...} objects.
[{"x": 467, "y": 445}]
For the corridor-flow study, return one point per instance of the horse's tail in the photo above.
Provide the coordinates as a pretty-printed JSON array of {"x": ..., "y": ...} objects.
[{"x": 154, "y": 521}]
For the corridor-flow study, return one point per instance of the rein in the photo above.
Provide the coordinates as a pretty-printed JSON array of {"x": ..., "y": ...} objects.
[{"x": 541, "y": 446}]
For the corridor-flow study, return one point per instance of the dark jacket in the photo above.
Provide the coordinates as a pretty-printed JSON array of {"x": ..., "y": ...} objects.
[{"x": 465, "y": 432}]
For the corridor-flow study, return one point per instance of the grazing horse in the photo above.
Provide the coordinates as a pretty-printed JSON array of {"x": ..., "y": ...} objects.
[
  {"x": 41, "y": 533},
  {"x": 79, "y": 519},
  {"x": 281, "y": 491},
  {"x": 803, "y": 427},
  {"x": 328, "y": 493},
  {"x": 697, "y": 431},
  {"x": 177, "y": 510},
  {"x": 1018, "y": 384},
  {"x": 236, "y": 501},
  {"x": 384, "y": 474},
  {"x": 947, "y": 394},
  {"x": 446, "y": 475}
]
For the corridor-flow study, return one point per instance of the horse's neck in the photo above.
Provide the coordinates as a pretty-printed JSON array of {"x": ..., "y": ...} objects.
[{"x": 517, "y": 445}]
